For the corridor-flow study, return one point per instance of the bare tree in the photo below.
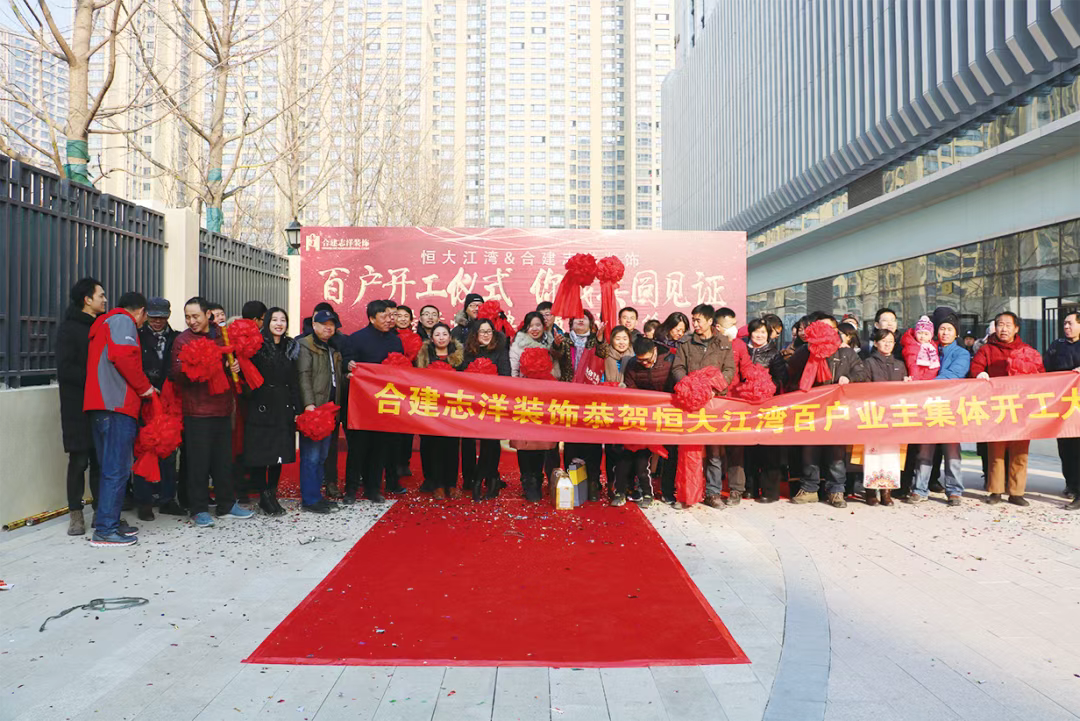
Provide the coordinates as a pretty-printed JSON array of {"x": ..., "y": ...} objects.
[{"x": 96, "y": 26}]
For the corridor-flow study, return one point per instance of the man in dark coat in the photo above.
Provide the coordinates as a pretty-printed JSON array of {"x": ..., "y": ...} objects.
[
  {"x": 1064, "y": 355},
  {"x": 72, "y": 343},
  {"x": 156, "y": 338}
]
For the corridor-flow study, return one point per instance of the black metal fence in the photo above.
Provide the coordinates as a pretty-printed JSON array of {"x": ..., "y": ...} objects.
[
  {"x": 232, "y": 273},
  {"x": 53, "y": 232}
]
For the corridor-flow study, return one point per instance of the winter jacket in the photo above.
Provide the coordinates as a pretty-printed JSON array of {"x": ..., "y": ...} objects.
[
  {"x": 499, "y": 355},
  {"x": 321, "y": 373},
  {"x": 955, "y": 361},
  {"x": 569, "y": 356},
  {"x": 114, "y": 375},
  {"x": 369, "y": 345},
  {"x": 884, "y": 368},
  {"x": 196, "y": 398},
  {"x": 911, "y": 349},
  {"x": 742, "y": 356},
  {"x": 698, "y": 353},
  {"x": 657, "y": 378},
  {"x": 270, "y": 426},
  {"x": 72, "y": 344},
  {"x": 993, "y": 357},
  {"x": 1062, "y": 355},
  {"x": 461, "y": 327},
  {"x": 844, "y": 362},
  {"x": 767, "y": 356},
  {"x": 522, "y": 342},
  {"x": 455, "y": 355},
  {"x": 154, "y": 366}
]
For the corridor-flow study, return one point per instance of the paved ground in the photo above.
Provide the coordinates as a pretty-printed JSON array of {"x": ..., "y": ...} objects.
[{"x": 866, "y": 613}]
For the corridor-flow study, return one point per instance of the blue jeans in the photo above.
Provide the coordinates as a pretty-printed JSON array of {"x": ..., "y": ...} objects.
[
  {"x": 312, "y": 456},
  {"x": 114, "y": 441},
  {"x": 165, "y": 488},
  {"x": 954, "y": 473}
]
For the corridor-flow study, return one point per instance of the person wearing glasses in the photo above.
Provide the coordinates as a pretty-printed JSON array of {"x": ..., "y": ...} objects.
[{"x": 648, "y": 370}]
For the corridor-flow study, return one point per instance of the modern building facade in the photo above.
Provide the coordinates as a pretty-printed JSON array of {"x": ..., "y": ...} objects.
[
  {"x": 527, "y": 113},
  {"x": 901, "y": 154},
  {"x": 38, "y": 83}
]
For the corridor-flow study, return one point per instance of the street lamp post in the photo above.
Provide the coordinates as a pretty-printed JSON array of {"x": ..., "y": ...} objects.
[{"x": 292, "y": 237}]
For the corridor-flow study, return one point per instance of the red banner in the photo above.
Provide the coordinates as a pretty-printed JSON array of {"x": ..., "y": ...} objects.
[
  {"x": 665, "y": 270},
  {"x": 410, "y": 400}
]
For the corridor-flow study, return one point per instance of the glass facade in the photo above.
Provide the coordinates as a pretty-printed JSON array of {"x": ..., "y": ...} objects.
[
  {"x": 1036, "y": 109},
  {"x": 1015, "y": 272}
]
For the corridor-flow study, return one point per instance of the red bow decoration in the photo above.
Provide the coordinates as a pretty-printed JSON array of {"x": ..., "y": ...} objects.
[
  {"x": 1025, "y": 361},
  {"x": 580, "y": 272},
  {"x": 246, "y": 340},
  {"x": 536, "y": 363},
  {"x": 160, "y": 435},
  {"x": 440, "y": 365},
  {"x": 484, "y": 366},
  {"x": 201, "y": 362},
  {"x": 822, "y": 340},
  {"x": 320, "y": 422},
  {"x": 609, "y": 271},
  {"x": 658, "y": 450},
  {"x": 756, "y": 385},
  {"x": 698, "y": 388},
  {"x": 397, "y": 359},
  {"x": 411, "y": 343},
  {"x": 492, "y": 310}
]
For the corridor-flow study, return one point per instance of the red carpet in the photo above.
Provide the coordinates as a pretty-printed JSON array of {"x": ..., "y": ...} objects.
[{"x": 508, "y": 583}]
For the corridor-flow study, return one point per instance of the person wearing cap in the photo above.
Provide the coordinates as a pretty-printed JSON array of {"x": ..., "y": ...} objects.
[
  {"x": 465, "y": 317},
  {"x": 969, "y": 342},
  {"x": 156, "y": 339},
  {"x": 321, "y": 374}
]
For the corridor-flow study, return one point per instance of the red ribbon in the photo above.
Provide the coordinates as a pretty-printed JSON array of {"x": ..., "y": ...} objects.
[{"x": 690, "y": 476}]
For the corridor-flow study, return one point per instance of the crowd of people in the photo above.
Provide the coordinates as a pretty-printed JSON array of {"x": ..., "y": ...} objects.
[{"x": 111, "y": 362}]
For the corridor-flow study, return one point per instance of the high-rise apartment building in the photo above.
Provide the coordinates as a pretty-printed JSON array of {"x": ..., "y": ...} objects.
[
  {"x": 521, "y": 113},
  {"x": 40, "y": 81}
]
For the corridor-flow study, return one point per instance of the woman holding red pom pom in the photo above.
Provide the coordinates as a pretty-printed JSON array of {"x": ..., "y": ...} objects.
[
  {"x": 321, "y": 373},
  {"x": 270, "y": 430},
  {"x": 484, "y": 343},
  {"x": 531, "y": 356},
  {"x": 442, "y": 452}
]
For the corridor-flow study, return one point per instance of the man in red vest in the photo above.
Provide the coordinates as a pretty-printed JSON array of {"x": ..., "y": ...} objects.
[{"x": 115, "y": 388}]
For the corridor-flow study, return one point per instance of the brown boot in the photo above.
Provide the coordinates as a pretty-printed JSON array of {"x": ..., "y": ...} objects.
[
  {"x": 440, "y": 494},
  {"x": 886, "y": 497},
  {"x": 76, "y": 523},
  {"x": 872, "y": 497}
]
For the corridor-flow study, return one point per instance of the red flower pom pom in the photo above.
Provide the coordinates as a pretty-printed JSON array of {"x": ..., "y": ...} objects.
[
  {"x": 1025, "y": 361},
  {"x": 440, "y": 365},
  {"x": 397, "y": 359},
  {"x": 756, "y": 386},
  {"x": 612, "y": 384},
  {"x": 318, "y": 423},
  {"x": 245, "y": 337},
  {"x": 161, "y": 434},
  {"x": 822, "y": 338},
  {"x": 411, "y": 342},
  {"x": 536, "y": 364},
  {"x": 492, "y": 310},
  {"x": 581, "y": 268},
  {"x": 201, "y": 362},
  {"x": 484, "y": 366},
  {"x": 698, "y": 388},
  {"x": 610, "y": 269}
]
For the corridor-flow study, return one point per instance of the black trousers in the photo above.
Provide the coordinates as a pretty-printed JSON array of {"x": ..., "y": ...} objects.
[
  {"x": 469, "y": 465},
  {"x": 1069, "y": 451},
  {"x": 591, "y": 453},
  {"x": 763, "y": 468},
  {"x": 442, "y": 453},
  {"x": 425, "y": 464},
  {"x": 832, "y": 457},
  {"x": 366, "y": 460},
  {"x": 668, "y": 469},
  {"x": 735, "y": 465},
  {"x": 405, "y": 450},
  {"x": 265, "y": 478},
  {"x": 209, "y": 455},
  {"x": 487, "y": 467},
  {"x": 532, "y": 464},
  {"x": 632, "y": 466},
  {"x": 78, "y": 463}
]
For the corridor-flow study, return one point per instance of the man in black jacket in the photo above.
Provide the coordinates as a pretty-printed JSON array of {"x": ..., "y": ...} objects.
[
  {"x": 88, "y": 301},
  {"x": 1064, "y": 355},
  {"x": 371, "y": 344},
  {"x": 845, "y": 367},
  {"x": 156, "y": 338}
]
